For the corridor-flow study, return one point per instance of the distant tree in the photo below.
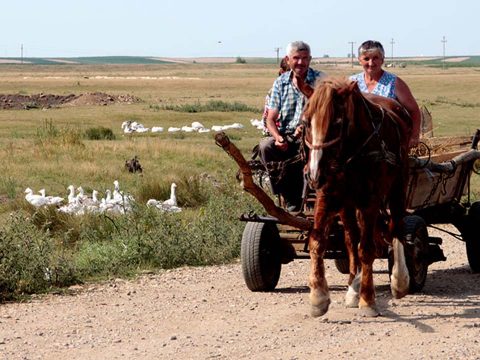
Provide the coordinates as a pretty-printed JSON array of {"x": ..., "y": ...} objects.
[
  {"x": 240, "y": 60},
  {"x": 326, "y": 56}
]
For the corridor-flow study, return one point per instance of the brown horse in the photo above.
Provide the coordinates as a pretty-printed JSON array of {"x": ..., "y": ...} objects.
[{"x": 357, "y": 163}]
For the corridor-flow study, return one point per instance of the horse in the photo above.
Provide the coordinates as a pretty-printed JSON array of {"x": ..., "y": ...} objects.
[{"x": 357, "y": 149}]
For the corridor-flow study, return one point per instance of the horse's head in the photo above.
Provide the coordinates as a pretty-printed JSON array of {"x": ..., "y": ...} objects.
[{"x": 328, "y": 115}]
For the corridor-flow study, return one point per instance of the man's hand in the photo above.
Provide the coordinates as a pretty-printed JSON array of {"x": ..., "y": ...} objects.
[{"x": 281, "y": 143}]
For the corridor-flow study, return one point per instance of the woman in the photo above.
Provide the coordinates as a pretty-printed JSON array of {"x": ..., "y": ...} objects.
[{"x": 375, "y": 80}]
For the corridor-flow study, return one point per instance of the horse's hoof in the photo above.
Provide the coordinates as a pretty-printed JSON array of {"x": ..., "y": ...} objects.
[
  {"x": 398, "y": 294},
  {"x": 319, "y": 303},
  {"x": 317, "y": 311},
  {"x": 369, "y": 311}
]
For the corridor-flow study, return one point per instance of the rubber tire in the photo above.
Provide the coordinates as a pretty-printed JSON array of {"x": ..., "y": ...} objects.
[
  {"x": 342, "y": 265},
  {"x": 472, "y": 238},
  {"x": 260, "y": 256},
  {"x": 416, "y": 251}
]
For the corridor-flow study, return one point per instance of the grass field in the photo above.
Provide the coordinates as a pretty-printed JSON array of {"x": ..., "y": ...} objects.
[{"x": 44, "y": 148}]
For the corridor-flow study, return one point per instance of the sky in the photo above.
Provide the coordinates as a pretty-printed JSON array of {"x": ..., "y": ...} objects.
[{"x": 226, "y": 28}]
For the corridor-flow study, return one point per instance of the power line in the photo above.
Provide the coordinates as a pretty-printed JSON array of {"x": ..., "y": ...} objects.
[
  {"x": 277, "y": 49},
  {"x": 392, "y": 42},
  {"x": 351, "y": 53},
  {"x": 444, "y": 41}
]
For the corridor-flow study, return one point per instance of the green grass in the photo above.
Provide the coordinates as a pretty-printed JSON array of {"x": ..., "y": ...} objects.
[
  {"x": 212, "y": 105},
  {"x": 85, "y": 146}
]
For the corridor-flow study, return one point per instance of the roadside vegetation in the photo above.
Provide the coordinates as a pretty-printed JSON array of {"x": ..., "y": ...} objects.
[{"x": 43, "y": 249}]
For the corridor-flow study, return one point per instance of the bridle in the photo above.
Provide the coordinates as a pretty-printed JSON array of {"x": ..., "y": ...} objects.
[{"x": 376, "y": 124}]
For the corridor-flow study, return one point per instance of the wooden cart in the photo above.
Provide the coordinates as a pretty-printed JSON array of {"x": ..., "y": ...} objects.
[{"x": 438, "y": 192}]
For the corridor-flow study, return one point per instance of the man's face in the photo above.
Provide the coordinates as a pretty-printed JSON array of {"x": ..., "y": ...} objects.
[{"x": 299, "y": 61}]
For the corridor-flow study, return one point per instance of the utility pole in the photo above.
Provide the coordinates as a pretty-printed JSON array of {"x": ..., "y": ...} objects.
[
  {"x": 21, "y": 54},
  {"x": 392, "y": 42},
  {"x": 351, "y": 53},
  {"x": 277, "y": 50},
  {"x": 444, "y": 41}
]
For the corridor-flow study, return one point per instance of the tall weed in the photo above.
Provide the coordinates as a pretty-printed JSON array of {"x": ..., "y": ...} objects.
[
  {"x": 26, "y": 255},
  {"x": 49, "y": 135}
]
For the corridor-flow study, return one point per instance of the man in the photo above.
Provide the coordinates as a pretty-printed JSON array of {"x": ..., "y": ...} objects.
[{"x": 290, "y": 92}]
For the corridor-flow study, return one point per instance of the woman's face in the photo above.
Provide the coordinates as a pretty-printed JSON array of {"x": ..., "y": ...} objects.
[{"x": 371, "y": 62}]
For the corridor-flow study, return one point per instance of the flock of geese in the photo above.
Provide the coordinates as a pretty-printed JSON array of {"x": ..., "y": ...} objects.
[
  {"x": 116, "y": 201},
  {"x": 130, "y": 127}
]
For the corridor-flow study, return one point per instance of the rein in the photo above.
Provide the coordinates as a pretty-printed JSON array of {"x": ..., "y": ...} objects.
[
  {"x": 322, "y": 145},
  {"x": 382, "y": 154},
  {"x": 376, "y": 131}
]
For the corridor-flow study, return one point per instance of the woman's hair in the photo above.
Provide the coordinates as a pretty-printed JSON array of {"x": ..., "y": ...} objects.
[
  {"x": 297, "y": 46},
  {"x": 283, "y": 66},
  {"x": 371, "y": 46}
]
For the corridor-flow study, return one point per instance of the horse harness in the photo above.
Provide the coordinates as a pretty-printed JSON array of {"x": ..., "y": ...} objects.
[{"x": 378, "y": 155}]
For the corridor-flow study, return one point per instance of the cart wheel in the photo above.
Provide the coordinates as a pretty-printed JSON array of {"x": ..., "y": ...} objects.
[
  {"x": 416, "y": 252},
  {"x": 471, "y": 237},
  {"x": 342, "y": 265},
  {"x": 260, "y": 253}
]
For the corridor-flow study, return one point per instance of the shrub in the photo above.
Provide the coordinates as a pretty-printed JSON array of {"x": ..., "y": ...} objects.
[
  {"x": 212, "y": 105},
  {"x": 99, "y": 133},
  {"x": 26, "y": 260}
]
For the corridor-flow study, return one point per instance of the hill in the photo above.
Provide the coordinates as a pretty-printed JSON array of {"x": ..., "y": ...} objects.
[{"x": 450, "y": 61}]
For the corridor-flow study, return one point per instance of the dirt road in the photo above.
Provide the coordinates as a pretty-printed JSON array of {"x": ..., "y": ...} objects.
[{"x": 208, "y": 313}]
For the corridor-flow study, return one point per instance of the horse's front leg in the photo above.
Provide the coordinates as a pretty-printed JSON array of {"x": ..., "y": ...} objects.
[
  {"x": 319, "y": 294},
  {"x": 400, "y": 279},
  {"x": 352, "y": 236},
  {"x": 367, "y": 254}
]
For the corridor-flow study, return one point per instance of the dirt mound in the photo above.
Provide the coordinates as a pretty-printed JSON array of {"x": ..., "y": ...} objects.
[
  {"x": 46, "y": 101},
  {"x": 99, "y": 98}
]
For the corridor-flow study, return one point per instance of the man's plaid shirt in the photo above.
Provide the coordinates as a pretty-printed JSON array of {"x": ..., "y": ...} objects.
[{"x": 289, "y": 101}]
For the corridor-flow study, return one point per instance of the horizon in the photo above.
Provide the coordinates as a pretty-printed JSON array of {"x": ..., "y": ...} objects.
[{"x": 157, "y": 57}]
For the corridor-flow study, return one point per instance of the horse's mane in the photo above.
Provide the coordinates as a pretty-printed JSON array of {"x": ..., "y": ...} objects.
[{"x": 321, "y": 101}]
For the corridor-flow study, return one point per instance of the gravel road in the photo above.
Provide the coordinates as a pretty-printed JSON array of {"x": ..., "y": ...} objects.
[{"x": 208, "y": 313}]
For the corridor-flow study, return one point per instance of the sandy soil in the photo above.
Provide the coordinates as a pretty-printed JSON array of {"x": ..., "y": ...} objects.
[
  {"x": 457, "y": 59},
  {"x": 208, "y": 313}
]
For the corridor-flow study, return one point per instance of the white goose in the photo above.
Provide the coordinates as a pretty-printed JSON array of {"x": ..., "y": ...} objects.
[
  {"x": 110, "y": 205},
  {"x": 35, "y": 200},
  {"x": 71, "y": 194},
  {"x": 173, "y": 196},
  {"x": 51, "y": 200},
  {"x": 121, "y": 198},
  {"x": 95, "y": 197},
  {"x": 162, "y": 207},
  {"x": 117, "y": 195},
  {"x": 81, "y": 197}
]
